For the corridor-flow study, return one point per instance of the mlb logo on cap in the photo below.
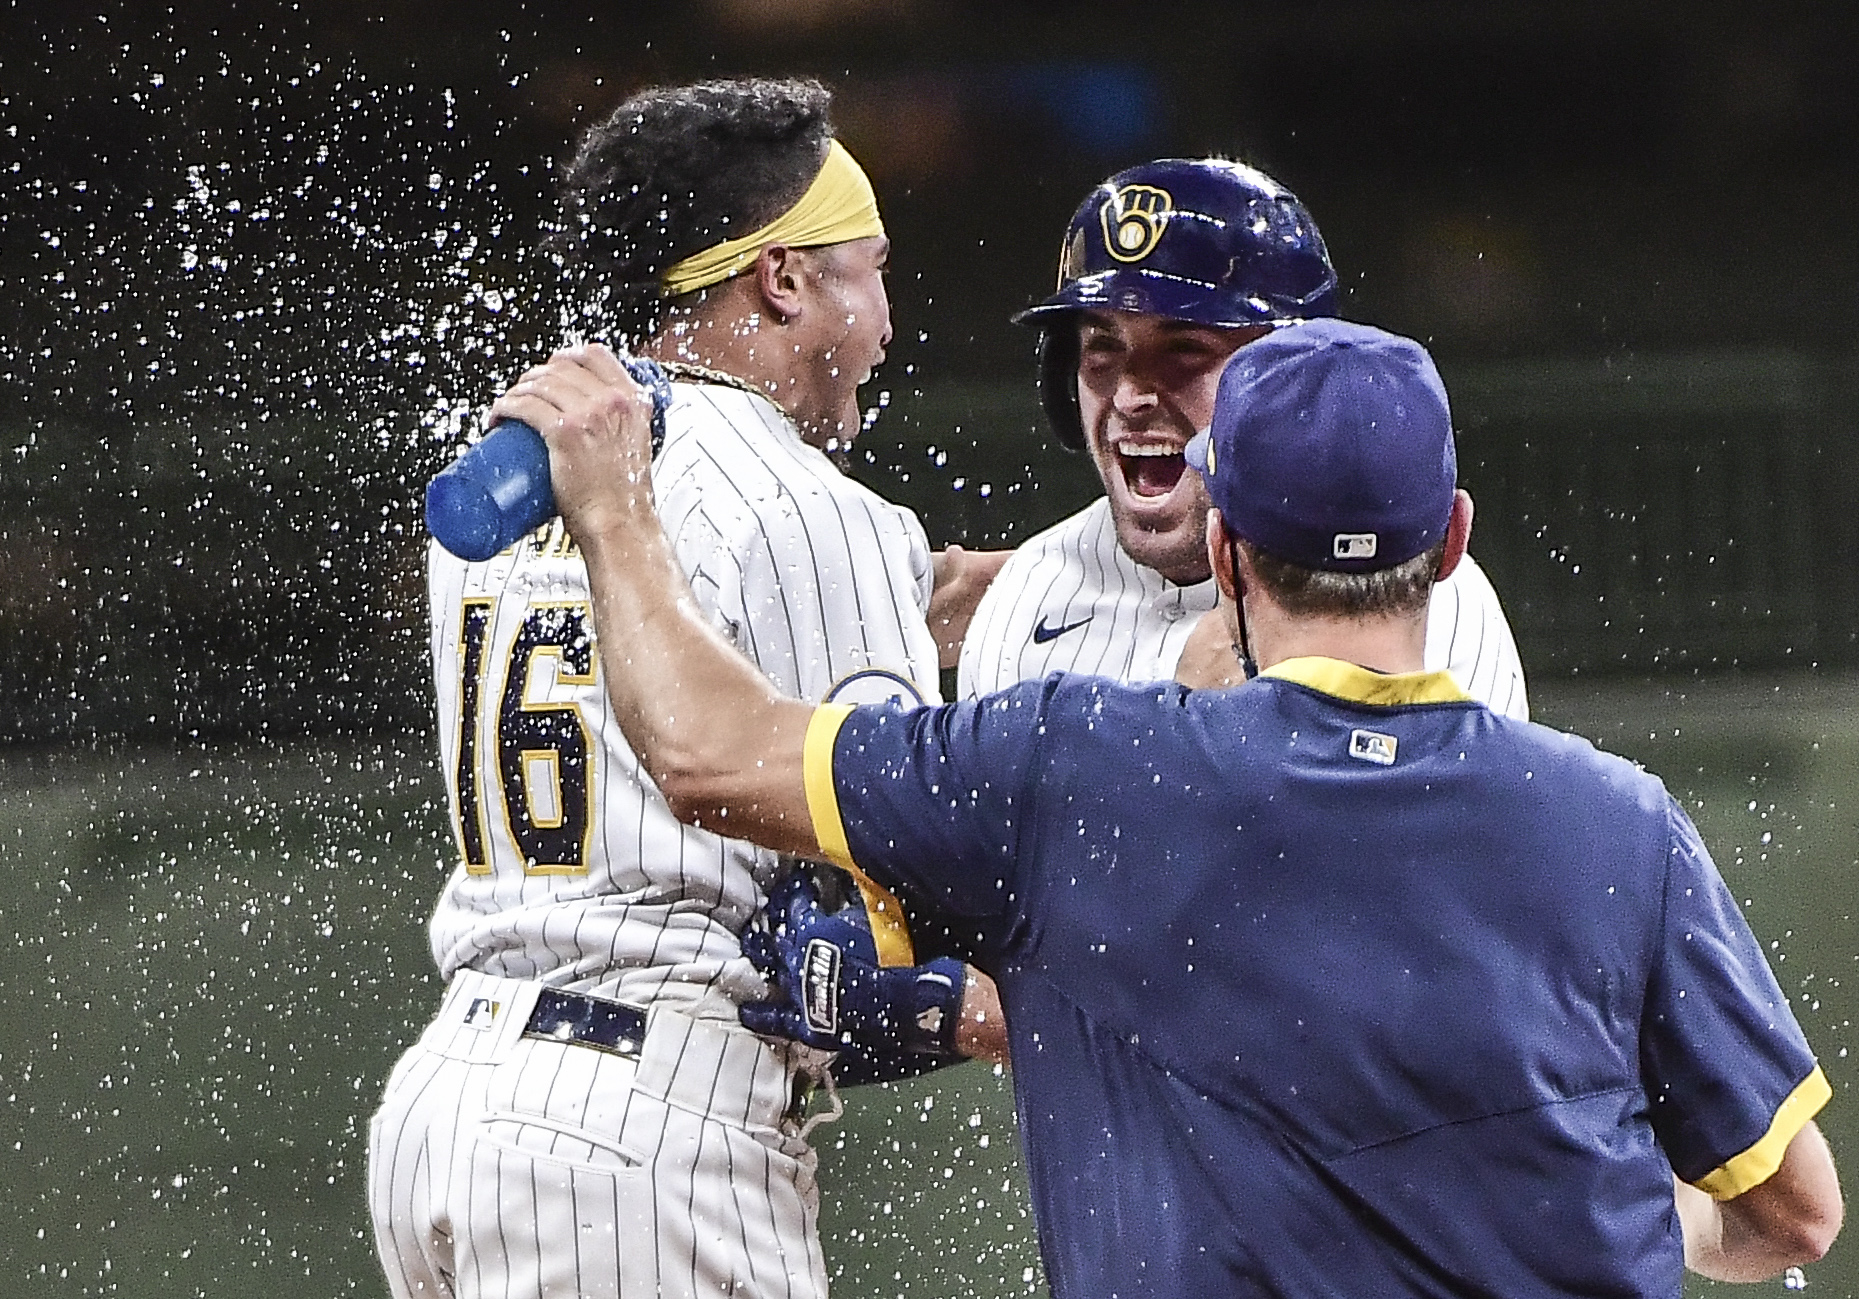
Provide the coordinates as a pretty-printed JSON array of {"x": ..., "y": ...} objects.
[{"x": 1331, "y": 447}]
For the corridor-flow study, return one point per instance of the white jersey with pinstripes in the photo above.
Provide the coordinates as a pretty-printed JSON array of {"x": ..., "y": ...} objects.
[
  {"x": 1072, "y": 600},
  {"x": 509, "y": 1166},
  {"x": 575, "y": 871}
]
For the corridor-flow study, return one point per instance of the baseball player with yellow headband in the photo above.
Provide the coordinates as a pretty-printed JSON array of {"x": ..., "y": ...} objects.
[
  {"x": 587, "y": 1113},
  {"x": 839, "y": 207}
]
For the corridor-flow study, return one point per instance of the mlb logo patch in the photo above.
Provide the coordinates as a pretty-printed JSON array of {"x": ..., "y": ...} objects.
[
  {"x": 1354, "y": 545},
  {"x": 481, "y": 1014},
  {"x": 1372, "y": 746}
]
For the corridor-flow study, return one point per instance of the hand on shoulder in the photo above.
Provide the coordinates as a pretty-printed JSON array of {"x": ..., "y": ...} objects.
[
  {"x": 962, "y": 578},
  {"x": 598, "y": 424}
]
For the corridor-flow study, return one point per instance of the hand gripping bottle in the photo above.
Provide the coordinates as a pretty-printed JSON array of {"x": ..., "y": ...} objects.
[{"x": 499, "y": 489}]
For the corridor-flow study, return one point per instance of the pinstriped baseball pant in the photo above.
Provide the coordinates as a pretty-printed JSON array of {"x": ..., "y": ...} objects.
[{"x": 505, "y": 1167}]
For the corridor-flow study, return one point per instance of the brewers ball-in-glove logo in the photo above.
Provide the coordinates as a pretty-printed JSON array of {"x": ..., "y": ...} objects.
[{"x": 1134, "y": 217}]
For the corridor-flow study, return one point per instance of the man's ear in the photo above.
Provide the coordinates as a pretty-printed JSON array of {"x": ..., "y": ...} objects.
[
  {"x": 1220, "y": 554},
  {"x": 780, "y": 282},
  {"x": 1458, "y": 534}
]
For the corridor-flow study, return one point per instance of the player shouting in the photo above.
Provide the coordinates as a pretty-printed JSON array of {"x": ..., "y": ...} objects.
[{"x": 1167, "y": 269}]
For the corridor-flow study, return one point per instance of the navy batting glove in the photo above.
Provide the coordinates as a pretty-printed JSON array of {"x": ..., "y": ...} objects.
[{"x": 831, "y": 993}]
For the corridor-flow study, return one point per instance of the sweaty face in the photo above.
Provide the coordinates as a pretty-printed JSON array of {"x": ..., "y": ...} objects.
[
  {"x": 1146, "y": 385},
  {"x": 843, "y": 331}
]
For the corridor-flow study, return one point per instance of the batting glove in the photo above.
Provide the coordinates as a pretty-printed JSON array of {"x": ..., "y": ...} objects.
[{"x": 886, "y": 1022}]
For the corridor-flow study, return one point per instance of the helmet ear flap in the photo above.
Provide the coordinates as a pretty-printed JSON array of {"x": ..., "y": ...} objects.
[{"x": 1058, "y": 381}]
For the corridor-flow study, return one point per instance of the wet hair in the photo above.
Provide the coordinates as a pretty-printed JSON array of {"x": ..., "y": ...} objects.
[
  {"x": 673, "y": 171},
  {"x": 1322, "y": 593}
]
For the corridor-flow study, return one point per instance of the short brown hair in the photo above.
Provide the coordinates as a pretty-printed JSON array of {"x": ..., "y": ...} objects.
[{"x": 1312, "y": 592}]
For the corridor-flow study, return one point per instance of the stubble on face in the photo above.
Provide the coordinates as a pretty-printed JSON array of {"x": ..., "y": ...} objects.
[{"x": 1146, "y": 385}]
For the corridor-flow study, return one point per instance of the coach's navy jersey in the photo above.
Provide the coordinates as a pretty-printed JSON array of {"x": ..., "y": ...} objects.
[{"x": 1335, "y": 982}]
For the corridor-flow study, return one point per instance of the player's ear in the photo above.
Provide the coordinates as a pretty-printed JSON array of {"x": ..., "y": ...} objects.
[
  {"x": 1458, "y": 534},
  {"x": 781, "y": 281},
  {"x": 1220, "y": 555}
]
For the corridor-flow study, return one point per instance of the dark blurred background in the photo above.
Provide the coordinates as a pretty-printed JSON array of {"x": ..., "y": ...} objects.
[{"x": 261, "y": 266}]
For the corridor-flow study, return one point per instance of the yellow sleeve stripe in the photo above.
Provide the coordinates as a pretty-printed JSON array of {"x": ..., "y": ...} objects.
[
  {"x": 817, "y": 772},
  {"x": 1758, "y": 1163},
  {"x": 890, "y": 933}
]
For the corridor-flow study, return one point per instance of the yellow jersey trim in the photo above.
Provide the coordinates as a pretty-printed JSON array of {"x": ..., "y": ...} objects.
[
  {"x": 1758, "y": 1163},
  {"x": 1360, "y": 685},
  {"x": 839, "y": 206},
  {"x": 890, "y": 932},
  {"x": 817, "y": 772}
]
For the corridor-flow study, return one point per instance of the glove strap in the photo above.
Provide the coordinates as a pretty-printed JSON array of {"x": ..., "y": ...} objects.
[{"x": 936, "y": 1009}]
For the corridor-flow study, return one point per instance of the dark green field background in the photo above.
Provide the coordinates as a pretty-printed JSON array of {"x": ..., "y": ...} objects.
[{"x": 215, "y": 954}]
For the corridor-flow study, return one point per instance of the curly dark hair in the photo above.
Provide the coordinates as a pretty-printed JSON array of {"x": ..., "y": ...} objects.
[{"x": 674, "y": 170}]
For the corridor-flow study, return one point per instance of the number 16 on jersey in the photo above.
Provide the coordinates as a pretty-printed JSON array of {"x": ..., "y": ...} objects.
[{"x": 528, "y": 782}]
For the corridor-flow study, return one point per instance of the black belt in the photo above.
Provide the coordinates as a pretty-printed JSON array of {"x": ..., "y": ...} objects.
[{"x": 571, "y": 1017}]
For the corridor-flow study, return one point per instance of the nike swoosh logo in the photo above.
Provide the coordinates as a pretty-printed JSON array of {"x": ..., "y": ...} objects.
[{"x": 1043, "y": 633}]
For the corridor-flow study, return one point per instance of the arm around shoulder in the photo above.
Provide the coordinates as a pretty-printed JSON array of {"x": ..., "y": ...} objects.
[
  {"x": 723, "y": 745},
  {"x": 962, "y": 578}
]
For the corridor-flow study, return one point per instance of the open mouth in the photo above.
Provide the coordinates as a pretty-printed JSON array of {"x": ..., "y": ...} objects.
[{"x": 1150, "y": 470}]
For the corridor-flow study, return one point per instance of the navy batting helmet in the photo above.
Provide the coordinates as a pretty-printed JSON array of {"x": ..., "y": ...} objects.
[{"x": 1203, "y": 239}]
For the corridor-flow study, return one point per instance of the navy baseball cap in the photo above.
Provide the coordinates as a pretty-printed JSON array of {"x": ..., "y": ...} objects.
[{"x": 1331, "y": 447}]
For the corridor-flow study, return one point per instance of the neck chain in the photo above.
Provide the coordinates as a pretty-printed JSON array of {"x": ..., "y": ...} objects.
[{"x": 691, "y": 373}]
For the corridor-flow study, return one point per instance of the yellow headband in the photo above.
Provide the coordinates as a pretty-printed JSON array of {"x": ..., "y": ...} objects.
[{"x": 838, "y": 206}]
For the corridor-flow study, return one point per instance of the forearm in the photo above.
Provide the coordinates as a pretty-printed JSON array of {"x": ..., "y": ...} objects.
[
  {"x": 1701, "y": 1222},
  {"x": 1788, "y": 1220},
  {"x": 962, "y": 578},
  {"x": 1721, "y": 1246},
  {"x": 721, "y": 744}
]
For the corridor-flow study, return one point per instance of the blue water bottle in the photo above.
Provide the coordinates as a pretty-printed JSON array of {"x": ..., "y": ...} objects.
[{"x": 499, "y": 489}]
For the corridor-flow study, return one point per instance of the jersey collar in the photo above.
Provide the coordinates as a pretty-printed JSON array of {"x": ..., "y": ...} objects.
[{"x": 1361, "y": 686}]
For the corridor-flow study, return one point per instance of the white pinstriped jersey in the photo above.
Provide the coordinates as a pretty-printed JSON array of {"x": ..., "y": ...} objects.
[
  {"x": 1072, "y": 600},
  {"x": 573, "y": 870}
]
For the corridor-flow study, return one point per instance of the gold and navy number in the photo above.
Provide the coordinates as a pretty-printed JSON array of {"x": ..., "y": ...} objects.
[
  {"x": 542, "y": 745},
  {"x": 473, "y": 633},
  {"x": 1134, "y": 217}
]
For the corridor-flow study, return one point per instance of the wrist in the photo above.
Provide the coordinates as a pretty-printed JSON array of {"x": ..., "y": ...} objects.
[
  {"x": 617, "y": 527},
  {"x": 982, "y": 1033}
]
